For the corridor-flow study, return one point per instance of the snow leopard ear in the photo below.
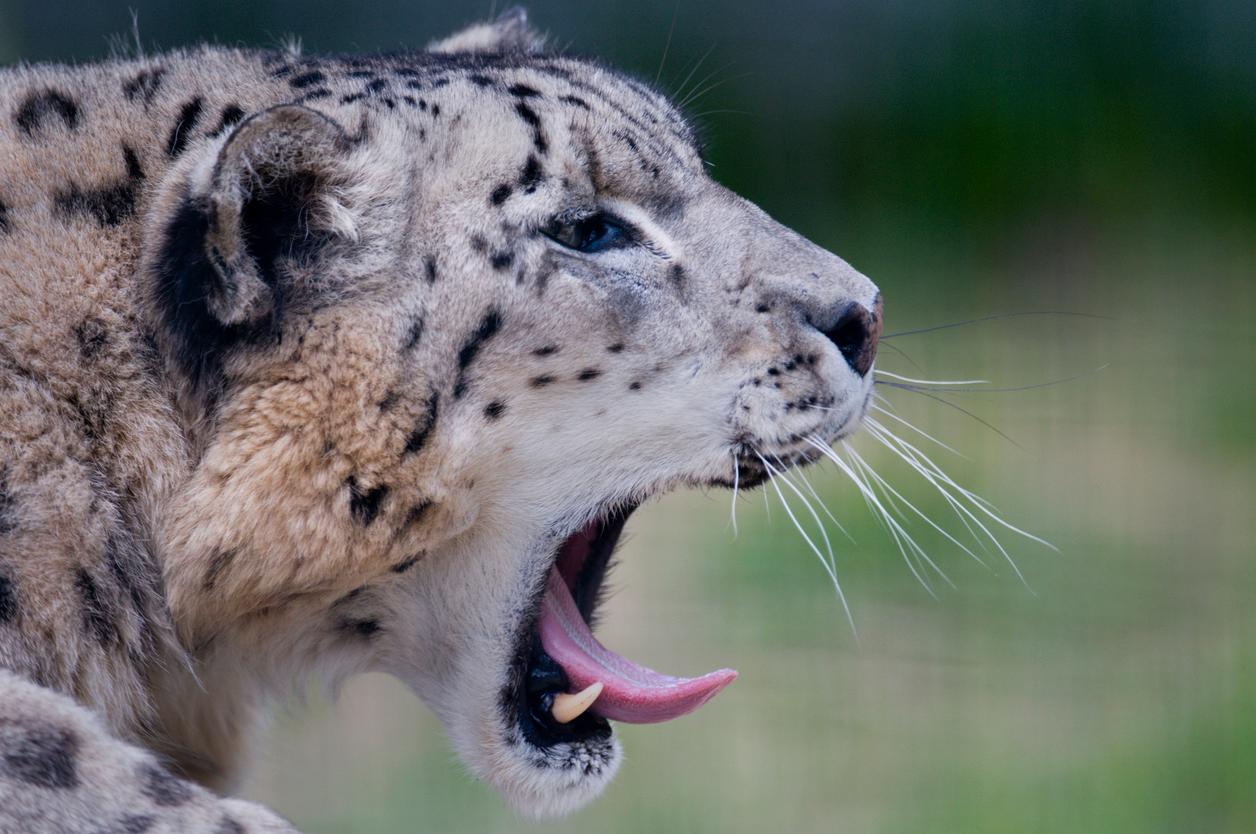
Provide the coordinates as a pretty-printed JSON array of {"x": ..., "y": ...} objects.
[
  {"x": 245, "y": 231},
  {"x": 510, "y": 32}
]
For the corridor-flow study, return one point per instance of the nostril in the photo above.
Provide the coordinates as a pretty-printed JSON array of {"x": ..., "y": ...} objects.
[{"x": 856, "y": 334}]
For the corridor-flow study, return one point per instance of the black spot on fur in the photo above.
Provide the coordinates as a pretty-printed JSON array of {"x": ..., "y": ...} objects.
[
  {"x": 419, "y": 437},
  {"x": 162, "y": 788},
  {"x": 528, "y": 114},
  {"x": 38, "y": 106},
  {"x": 5, "y": 225},
  {"x": 92, "y": 336},
  {"x": 534, "y": 121},
  {"x": 480, "y": 80},
  {"x": 361, "y": 628},
  {"x": 435, "y": 111},
  {"x": 530, "y": 177},
  {"x": 413, "y": 334},
  {"x": 219, "y": 561},
  {"x": 406, "y": 564},
  {"x": 501, "y": 261},
  {"x": 8, "y": 600},
  {"x": 389, "y": 401},
  {"x": 488, "y": 327},
  {"x": 634, "y": 386},
  {"x": 377, "y": 86},
  {"x": 618, "y": 347},
  {"x": 144, "y": 86},
  {"x": 8, "y": 507},
  {"x": 97, "y": 614},
  {"x": 541, "y": 381},
  {"x": 500, "y": 194},
  {"x": 495, "y": 409},
  {"x": 588, "y": 374},
  {"x": 231, "y": 114},
  {"x": 575, "y": 100},
  {"x": 523, "y": 91},
  {"x": 365, "y": 506},
  {"x": 677, "y": 275},
  {"x": 108, "y": 204},
  {"x": 181, "y": 133},
  {"x": 307, "y": 79},
  {"x": 547, "y": 350},
  {"x": 414, "y": 515},
  {"x": 315, "y": 94},
  {"x": 42, "y": 756},
  {"x": 762, "y": 308},
  {"x": 429, "y": 266}
]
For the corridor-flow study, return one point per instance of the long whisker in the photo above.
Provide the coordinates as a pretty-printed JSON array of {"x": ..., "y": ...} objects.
[
  {"x": 667, "y": 46},
  {"x": 694, "y": 69},
  {"x": 980, "y": 319},
  {"x": 736, "y": 481},
  {"x": 1005, "y": 390},
  {"x": 950, "y": 404},
  {"x": 932, "y": 381},
  {"x": 884, "y": 485},
  {"x": 901, "y": 353},
  {"x": 802, "y": 476},
  {"x": 918, "y": 431},
  {"x": 837, "y": 585},
  {"x": 982, "y": 504},
  {"x": 906, "y": 545},
  {"x": 828, "y": 545},
  {"x": 878, "y": 481}
]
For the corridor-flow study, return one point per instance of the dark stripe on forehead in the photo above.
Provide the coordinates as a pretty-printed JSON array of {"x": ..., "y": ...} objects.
[{"x": 594, "y": 96}]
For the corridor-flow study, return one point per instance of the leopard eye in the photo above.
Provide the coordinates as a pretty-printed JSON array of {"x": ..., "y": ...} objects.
[{"x": 595, "y": 233}]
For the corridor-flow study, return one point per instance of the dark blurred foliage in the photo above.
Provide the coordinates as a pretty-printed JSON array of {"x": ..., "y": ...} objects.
[{"x": 971, "y": 118}]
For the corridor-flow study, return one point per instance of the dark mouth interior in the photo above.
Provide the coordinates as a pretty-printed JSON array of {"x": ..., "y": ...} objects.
[{"x": 583, "y": 560}]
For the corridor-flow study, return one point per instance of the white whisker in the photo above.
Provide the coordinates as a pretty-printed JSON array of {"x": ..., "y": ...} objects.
[
  {"x": 905, "y": 543},
  {"x": 732, "y": 513},
  {"x": 932, "y": 381},
  {"x": 921, "y": 432},
  {"x": 828, "y": 545},
  {"x": 957, "y": 506},
  {"x": 802, "y": 476},
  {"x": 837, "y": 585},
  {"x": 884, "y": 485}
]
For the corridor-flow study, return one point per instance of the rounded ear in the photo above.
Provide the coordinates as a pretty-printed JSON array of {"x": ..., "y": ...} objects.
[
  {"x": 509, "y": 32},
  {"x": 229, "y": 242},
  {"x": 266, "y": 199}
]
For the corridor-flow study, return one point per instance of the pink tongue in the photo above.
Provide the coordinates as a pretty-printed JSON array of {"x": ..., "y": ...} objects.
[{"x": 631, "y": 693}]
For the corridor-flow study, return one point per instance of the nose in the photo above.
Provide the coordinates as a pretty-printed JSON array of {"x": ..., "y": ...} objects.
[{"x": 856, "y": 334}]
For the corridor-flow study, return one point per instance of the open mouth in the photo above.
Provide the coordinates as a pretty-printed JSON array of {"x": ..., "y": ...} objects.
[{"x": 567, "y": 684}]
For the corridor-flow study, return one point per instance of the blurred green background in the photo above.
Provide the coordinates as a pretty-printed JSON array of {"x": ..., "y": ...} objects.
[{"x": 973, "y": 159}]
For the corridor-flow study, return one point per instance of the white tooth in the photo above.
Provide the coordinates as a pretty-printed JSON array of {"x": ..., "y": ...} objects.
[{"x": 568, "y": 706}]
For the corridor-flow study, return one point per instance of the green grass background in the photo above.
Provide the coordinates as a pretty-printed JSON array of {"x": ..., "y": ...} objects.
[{"x": 972, "y": 158}]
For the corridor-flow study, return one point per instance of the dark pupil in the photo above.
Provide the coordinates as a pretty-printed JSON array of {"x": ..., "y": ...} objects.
[{"x": 588, "y": 232}]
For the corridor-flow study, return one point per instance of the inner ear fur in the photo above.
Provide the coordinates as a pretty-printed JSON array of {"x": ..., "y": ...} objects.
[
  {"x": 268, "y": 200},
  {"x": 233, "y": 245}
]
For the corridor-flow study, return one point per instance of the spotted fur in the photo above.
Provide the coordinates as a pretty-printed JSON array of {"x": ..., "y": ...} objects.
[{"x": 297, "y": 380}]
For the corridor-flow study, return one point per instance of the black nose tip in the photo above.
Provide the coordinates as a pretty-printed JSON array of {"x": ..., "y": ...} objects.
[{"x": 856, "y": 335}]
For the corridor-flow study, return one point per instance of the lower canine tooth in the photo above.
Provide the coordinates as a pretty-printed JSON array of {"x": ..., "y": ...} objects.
[{"x": 568, "y": 706}]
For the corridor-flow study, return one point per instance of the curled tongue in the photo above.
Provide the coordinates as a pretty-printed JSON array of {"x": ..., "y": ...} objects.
[{"x": 630, "y": 693}]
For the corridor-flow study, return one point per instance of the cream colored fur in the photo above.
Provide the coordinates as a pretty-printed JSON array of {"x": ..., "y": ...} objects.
[{"x": 369, "y": 451}]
